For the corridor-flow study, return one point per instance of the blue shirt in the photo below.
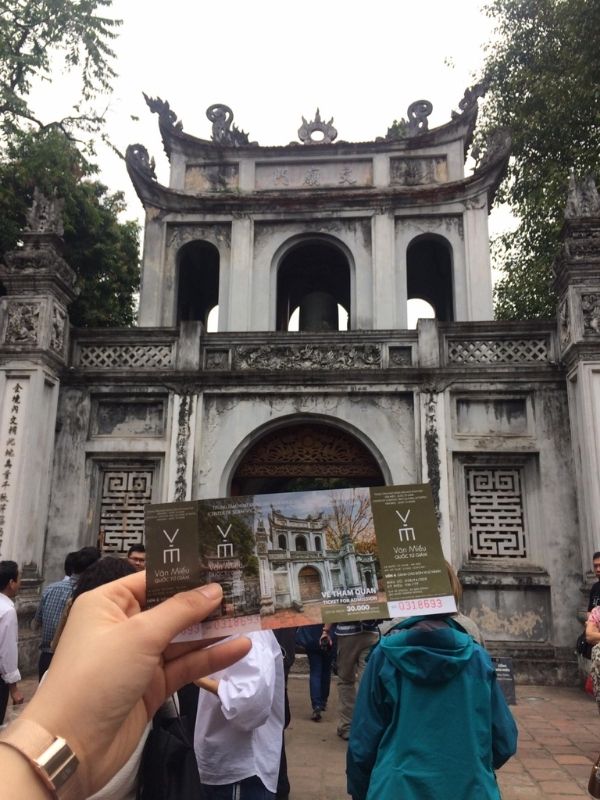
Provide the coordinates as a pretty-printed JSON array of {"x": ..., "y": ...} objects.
[{"x": 50, "y": 609}]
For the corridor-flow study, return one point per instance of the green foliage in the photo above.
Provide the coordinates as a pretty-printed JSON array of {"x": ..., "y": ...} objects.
[
  {"x": 103, "y": 251},
  {"x": 37, "y": 36},
  {"x": 543, "y": 71}
]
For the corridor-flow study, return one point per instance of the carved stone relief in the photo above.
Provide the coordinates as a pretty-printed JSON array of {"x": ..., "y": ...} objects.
[
  {"x": 590, "y": 306},
  {"x": 584, "y": 243},
  {"x": 211, "y": 177},
  {"x": 181, "y": 447},
  {"x": 178, "y": 235},
  {"x": 45, "y": 214},
  {"x": 426, "y": 224},
  {"x": 418, "y": 171},
  {"x": 583, "y": 199},
  {"x": 57, "y": 333},
  {"x": 22, "y": 323},
  {"x": 217, "y": 359},
  {"x": 307, "y": 357},
  {"x": 432, "y": 447},
  {"x": 564, "y": 331},
  {"x": 400, "y": 356}
]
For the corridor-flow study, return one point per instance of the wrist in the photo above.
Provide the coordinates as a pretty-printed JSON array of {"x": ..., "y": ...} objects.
[{"x": 49, "y": 758}]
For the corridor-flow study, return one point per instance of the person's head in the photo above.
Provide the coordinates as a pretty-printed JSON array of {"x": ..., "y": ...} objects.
[
  {"x": 596, "y": 564},
  {"x": 101, "y": 571},
  {"x": 454, "y": 582},
  {"x": 10, "y": 580},
  {"x": 69, "y": 562},
  {"x": 84, "y": 558},
  {"x": 137, "y": 556}
]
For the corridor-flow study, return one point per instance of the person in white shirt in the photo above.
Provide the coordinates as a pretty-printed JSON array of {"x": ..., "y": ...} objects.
[
  {"x": 10, "y": 583},
  {"x": 239, "y": 725}
]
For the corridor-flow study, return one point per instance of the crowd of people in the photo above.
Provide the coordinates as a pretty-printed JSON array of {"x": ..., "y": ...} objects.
[{"x": 108, "y": 673}]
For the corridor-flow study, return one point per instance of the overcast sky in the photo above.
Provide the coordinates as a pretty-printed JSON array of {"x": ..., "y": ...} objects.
[{"x": 273, "y": 61}]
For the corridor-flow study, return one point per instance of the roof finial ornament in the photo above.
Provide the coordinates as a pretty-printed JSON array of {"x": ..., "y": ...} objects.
[
  {"x": 223, "y": 132},
  {"x": 166, "y": 115},
  {"x": 307, "y": 129},
  {"x": 417, "y": 113},
  {"x": 138, "y": 157},
  {"x": 470, "y": 98},
  {"x": 583, "y": 199}
]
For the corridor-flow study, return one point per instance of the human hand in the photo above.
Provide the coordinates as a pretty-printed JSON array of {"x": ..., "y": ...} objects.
[
  {"x": 16, "y": 696},
  {"x": 115, "y": 666}
]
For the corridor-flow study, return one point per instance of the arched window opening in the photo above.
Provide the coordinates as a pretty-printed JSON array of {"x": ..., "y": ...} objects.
[
  {"x": 294, "y": 323},
  {"x": 318, "y": 545},
  {"x": 429, "y": 275},
  {"x": 417, "y": 309},
  {"x": 198, "y": 291},
  {"x": 282, "y": 541},
  {"x": 301, "y": 544},
  {"x": 315, "y": 279},
  {"x": 212, "y": 321}
]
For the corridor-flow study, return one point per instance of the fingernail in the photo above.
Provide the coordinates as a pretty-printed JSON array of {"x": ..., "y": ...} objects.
[{"x": 212, "y": 591}]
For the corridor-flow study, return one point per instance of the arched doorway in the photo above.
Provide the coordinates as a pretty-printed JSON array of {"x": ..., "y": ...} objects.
[
  {"x": 313, "y": 277},
  {"x": 309, "y": 582},
  {"x": 303, "y": 457},
  {"x": 429, "y": 274}
]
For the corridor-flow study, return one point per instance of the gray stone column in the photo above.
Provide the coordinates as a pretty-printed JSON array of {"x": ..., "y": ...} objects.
[
  {"x": 34, "y": 339},
  {"x": 240, "y": 285},
  {"x": 34, "y": 344},
  {"x": 577, "y": 281}
]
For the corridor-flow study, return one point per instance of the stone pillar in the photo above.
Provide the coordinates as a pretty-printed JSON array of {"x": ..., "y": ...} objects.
[
  {"x": 238, "y": 314},
  {"x": 478, "y": 272},
  {"x": 384, "y": 273},
  {"x": 34, "y": 343},
  {"x": 577, "y": 283}
]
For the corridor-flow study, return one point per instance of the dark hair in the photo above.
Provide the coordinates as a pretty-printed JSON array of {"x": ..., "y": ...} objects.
[
  {"x": 596, "y": 555},
  {"x": 84, "y": 558},
  {"x": 69, "y": 561},
  {"x": 136, "y": 548},
  {"x": 102, "y": 571},
  {"x": 9, "y": 571}
]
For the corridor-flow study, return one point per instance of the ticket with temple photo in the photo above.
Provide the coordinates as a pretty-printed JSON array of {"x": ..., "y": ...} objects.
[{"x": 300, "y": 558}]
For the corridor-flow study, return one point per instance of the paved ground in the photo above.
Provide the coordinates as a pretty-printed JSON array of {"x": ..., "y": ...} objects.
[{"x": 559, "y": 738}]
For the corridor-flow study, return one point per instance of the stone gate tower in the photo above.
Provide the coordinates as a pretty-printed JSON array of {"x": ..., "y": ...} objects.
[{"x": 307, "y": 255}]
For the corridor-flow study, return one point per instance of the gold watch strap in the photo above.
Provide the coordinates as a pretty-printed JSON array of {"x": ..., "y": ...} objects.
[{"x": 50, "y": 757}]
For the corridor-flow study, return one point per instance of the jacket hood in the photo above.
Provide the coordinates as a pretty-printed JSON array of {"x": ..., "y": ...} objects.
[{"x": 428, "y": 656}]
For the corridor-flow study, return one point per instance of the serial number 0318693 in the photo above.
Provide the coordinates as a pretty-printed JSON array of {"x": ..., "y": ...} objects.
[{"x": 416, "y": 605}]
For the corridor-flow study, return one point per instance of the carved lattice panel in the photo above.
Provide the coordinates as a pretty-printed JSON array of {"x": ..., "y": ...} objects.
[
  {"x": 139, "y": 356},
  {"x": 124, "y": 495},
  {"x": 499, "y": 351},
  {"x": 496, "y": 514}
]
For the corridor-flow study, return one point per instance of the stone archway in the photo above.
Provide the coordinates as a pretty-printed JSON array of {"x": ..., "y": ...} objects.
[
  {"x": 309, "y": 582},
  {"x": 303, "y": 457}
]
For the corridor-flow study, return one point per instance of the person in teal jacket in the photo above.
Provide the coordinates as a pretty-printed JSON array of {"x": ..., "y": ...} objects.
[{"x": 430, "y": 722}]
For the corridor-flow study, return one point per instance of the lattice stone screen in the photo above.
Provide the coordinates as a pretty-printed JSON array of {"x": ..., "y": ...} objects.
[
  {"x": 124, "y": 495},
  {"x": 498, "y": 351},
  {"x": 138, "y": 356},
  {"x": 496, "y": 514}
]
